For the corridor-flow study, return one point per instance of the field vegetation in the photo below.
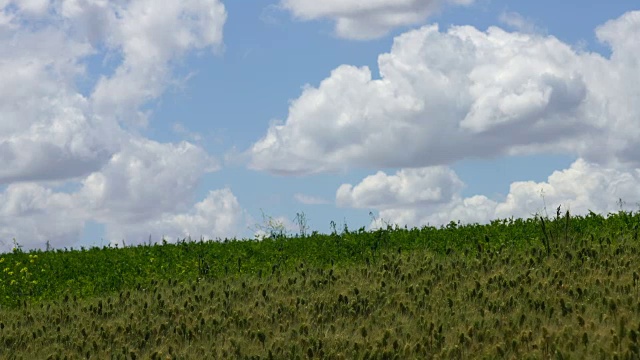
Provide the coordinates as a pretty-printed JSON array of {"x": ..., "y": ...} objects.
[{"x": 565, "y": 287}]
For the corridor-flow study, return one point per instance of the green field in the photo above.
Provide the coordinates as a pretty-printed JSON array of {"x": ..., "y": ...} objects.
[{"x": 562, "y": 288}]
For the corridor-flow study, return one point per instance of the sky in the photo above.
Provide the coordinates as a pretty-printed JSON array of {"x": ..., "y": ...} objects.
[{"x": 123, "y": 122}]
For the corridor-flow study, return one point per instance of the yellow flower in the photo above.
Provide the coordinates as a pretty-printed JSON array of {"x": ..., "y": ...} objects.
[
  {"x": 13, "y": 282},
  {"x": 1, "y": 260}
]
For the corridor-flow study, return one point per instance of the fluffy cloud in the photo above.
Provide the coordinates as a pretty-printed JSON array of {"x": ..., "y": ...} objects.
[
  {"x": 149, "y": 37},
  {"x": 444, "y": 96},
  {"x": 51, "y": 131},
  {"x": 46, "y": 128},
  {"x": 582, "y": 187},
  {"x": 146, "y": 179},
  {"x": 408, "y": 187},
  {"x": 356, "y": 19},
  {"x": 35, "y": 215},
  {"x": 146, "y": 188},
  {"x": 58, "y": 130},
  {"x": 218, "y": 216}
]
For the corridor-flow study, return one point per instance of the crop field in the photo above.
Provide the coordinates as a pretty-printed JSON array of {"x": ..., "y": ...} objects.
[{"x": 565, "y": 287}]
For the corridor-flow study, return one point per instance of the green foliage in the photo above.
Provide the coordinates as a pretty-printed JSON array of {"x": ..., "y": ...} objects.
[{"x": 564, "y": 287}]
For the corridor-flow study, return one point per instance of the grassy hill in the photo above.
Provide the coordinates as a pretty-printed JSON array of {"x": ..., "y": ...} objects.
[{"x": 565, "y": 287}]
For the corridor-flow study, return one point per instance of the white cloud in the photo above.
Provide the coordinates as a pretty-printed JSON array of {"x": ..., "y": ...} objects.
[
  {"x": 146, "y": 188},
  {"x": 582, "y": 187},
  {"x": 33, "y": 215},
  {"x": 408, "y": 187},
  {"x": 309, "y": 199},
  {"x": 218, "y": 216},
  {"x": 357, "y": 19},
  {"x": 47, "y": 129},
  {"x": 614, "y": 90},
  {"x": 52, "y": 134},
  {"x": 445, "y": 96},
  {"x": 32, "y": 8},
  {"x": 146, "y": 179},
  {"x": 149, "y": 37}
]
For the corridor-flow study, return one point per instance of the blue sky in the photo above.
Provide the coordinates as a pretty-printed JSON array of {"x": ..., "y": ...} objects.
[{"x": 121, "y": 120}]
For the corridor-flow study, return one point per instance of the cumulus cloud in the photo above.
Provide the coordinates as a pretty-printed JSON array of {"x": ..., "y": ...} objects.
[
  {"x": 148, "y": 37},
  {"x": 446, "y": 95},
  {"x": 146, "y": 179},
  {"x": 584, "y": 186},
  {"x": 59, "y": 129},
  {"x": 34, "y": 215},
  {"x": 146, "y": 188},
  {"x": 356, "y": 19},
  {"x": 47, "y": 130},
  {"x": 218, "y": 216},
  {"x": 408, "y": 187}
]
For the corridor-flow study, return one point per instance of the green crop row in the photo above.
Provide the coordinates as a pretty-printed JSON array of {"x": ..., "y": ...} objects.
[{"x": 45, "y": 275}]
